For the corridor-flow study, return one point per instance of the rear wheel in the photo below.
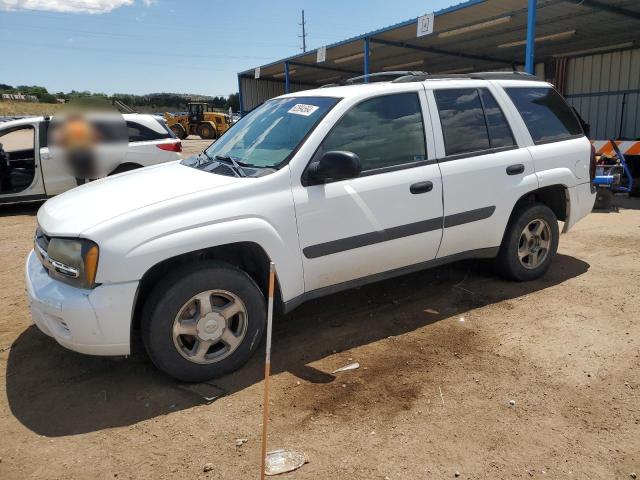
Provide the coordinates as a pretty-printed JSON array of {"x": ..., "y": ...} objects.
[
  {"x": 530, "y": 243},
  {"x": 604, "y": 199},
  {"x": 206, "y": 131},
  {"x": 179, "y": 131},
  {"x": 204, "y": 321}
]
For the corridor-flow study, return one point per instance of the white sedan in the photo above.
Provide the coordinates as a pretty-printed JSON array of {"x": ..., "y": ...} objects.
[{"x": 28, "y": 171}]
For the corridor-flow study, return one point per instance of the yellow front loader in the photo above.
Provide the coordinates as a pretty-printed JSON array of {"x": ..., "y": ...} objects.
[{"x": 201, "y": 120}]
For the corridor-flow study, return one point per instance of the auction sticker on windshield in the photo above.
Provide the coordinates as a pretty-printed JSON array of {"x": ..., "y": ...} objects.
[{"x": 302, "y": 109}]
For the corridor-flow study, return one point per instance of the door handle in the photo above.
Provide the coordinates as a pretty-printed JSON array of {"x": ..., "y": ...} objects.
[
  {"x": 421, "y": 187},
  {"x": 516, "y": 169}
]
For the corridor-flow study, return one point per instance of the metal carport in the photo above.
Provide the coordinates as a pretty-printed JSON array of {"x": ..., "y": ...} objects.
[{"x": 588, "y": 48}]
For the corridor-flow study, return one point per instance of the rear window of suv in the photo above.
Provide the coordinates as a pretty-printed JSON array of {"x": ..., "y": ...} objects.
[{"x": 546, "y": 114}]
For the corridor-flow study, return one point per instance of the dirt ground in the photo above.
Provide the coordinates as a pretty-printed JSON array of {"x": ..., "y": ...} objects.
[{"x": 442, "y": 354}]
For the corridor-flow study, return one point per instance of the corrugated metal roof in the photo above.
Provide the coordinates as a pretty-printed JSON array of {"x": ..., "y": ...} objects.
[{"x": 572, "y": 25}]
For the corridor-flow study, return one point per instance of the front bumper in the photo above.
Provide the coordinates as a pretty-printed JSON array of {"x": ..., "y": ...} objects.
[{"x": 95, "y": 322}]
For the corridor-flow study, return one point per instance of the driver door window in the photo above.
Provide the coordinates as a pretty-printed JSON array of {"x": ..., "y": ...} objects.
[{"x": 384, "y": 132}]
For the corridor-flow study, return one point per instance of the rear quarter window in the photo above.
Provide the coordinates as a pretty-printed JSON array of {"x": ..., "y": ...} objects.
[
  {"x": 545, "y": 113},
  {"x": 141, "y": 133}
]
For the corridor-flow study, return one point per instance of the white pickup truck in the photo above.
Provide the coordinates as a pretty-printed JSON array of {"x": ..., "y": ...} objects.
[
  {"x": 337, "y": 186},
  {"x": 30, "y": 173}
]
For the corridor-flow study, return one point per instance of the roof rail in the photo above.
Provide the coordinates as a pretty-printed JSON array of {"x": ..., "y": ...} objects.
[
  {"x": 382, "y": 76},
  {"x": 469, "y": 76}
]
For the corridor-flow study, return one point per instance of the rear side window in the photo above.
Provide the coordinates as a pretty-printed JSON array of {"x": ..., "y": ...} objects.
[
  {"x": 546, "y": 114},
  {"x": 471, "y": 121},
  {"x": 499, "y": 131},
  {"x": 141, "y": 133},
  {"x": 383, "y": 131}
]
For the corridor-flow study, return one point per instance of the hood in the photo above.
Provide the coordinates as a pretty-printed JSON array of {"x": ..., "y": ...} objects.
[{"x": 77, "y": 210}]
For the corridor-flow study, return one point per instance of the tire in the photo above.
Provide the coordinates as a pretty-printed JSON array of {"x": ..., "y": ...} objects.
[
  {"x": 604, "y": 199},
  {"x": 206, "y": 131},
  {"x": 179, "y": 131},
  {"x": 525, "y": 257},
  {"x": 172, "y": 308}
]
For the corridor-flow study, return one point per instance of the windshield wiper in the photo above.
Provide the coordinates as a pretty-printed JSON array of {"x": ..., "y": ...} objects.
[
  {"x": 236, "y": 166},
  {"x": 204, "y": 152}
]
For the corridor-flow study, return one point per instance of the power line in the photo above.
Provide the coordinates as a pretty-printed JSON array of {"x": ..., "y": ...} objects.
[{"x": 304, "y": 33}]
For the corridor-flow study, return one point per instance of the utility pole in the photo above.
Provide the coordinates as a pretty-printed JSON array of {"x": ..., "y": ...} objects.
[{"x": 304, "y": 34}]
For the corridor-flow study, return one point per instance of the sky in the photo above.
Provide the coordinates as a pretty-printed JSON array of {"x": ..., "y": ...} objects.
[{"x": 181, "y": 46}]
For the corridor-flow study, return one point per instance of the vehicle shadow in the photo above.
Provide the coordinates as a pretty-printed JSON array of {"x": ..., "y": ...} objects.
[
  {"x": 20, "y": 209},
  {"x": 620, "y": 202},
  {"x": 55, "y": 392}
]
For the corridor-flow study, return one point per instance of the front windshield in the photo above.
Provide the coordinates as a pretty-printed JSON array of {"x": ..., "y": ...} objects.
[{"x": 268, "y": 135}]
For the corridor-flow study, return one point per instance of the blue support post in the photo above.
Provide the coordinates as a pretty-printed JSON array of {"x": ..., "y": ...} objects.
[
  {"x": 287, "y": 85},
  {"x": 530, "y": 55},
  {"x": 366, "y": 59},
  {"x": 240, "y": 95}
]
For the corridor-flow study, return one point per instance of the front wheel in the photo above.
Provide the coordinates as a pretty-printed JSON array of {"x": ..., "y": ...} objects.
[
  {"x": 179, "y": 131},
  {"x": 206, "y": 131},
  {"x": 203, "y": 322},
  {"x": 529, "y": 244}
]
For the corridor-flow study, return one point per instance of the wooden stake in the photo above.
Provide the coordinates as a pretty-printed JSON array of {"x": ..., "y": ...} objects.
[{"x": 267, "y": 368}]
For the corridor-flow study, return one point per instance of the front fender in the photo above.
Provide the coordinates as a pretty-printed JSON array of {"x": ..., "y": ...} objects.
[{"x": 139, "y": 258}]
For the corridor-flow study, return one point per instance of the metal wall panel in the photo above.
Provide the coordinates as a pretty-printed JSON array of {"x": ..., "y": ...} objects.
[
  {"x": 257, "y": 91},
  {"x": 596, "y": 86}
]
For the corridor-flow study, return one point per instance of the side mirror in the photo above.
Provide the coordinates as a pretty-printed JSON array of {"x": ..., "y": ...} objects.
[{"x": 332, "y": 166}]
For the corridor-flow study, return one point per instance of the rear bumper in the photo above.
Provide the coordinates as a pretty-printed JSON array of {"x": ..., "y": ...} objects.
[
  {"x": 95, "y": 322},
  {"x": 581, "y": 200}
]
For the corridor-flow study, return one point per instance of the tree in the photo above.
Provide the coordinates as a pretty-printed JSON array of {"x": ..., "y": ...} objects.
[
  {"x": 233, "y": 101},
  {"x": 47, "y": 98}
]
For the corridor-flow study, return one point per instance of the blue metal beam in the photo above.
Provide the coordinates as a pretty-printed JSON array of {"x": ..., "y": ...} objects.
[
  {"x": 287, "y": 85},
  {"x": 366, "y": 59},
  {"x": 530, "y": 54}
]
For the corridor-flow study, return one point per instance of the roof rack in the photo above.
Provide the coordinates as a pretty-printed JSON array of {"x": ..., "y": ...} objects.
[
  {"x": 417, "y": 76},
  {"x": 379, "y": 76},
  {"x": 470, "y": 76},
  {"x": 383, "y": 75}
]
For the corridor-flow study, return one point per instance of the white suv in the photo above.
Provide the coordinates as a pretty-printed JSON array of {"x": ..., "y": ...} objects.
[{"x": 338, "y": 186}]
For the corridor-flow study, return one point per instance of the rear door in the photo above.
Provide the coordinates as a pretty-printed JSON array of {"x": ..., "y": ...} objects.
[
  {"x": 484, "y": 172},
  {"x": 390, "y": 216},
  {"x": 55, "y": 173}
]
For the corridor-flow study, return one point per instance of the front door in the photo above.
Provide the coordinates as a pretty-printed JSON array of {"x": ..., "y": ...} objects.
[
  {"x": 391, "y": 215},
  {"x": 20, "y": 177}
]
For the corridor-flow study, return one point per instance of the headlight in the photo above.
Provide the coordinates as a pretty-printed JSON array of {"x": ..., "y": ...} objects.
[{"x": 73, "y": 261}]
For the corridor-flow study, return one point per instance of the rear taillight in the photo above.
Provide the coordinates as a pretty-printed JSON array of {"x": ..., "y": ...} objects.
[
  {"x": 170, "y": 147},
  {"x": 592, "y": 163}
]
